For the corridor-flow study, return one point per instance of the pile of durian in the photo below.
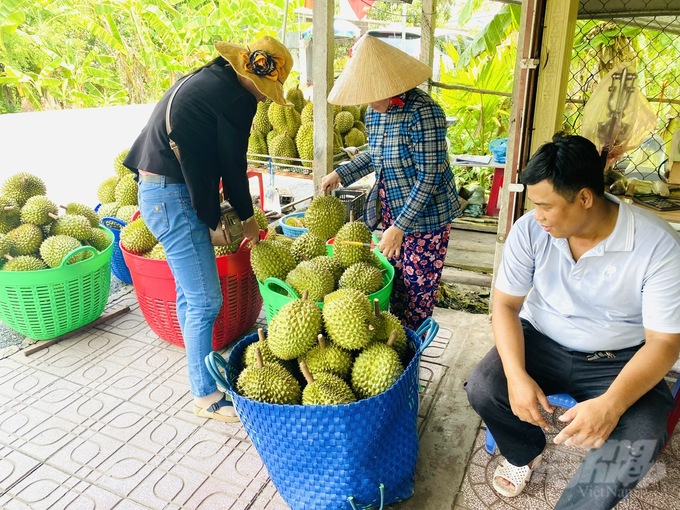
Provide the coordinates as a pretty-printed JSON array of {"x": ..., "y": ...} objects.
[
  {"x": 117, "y": 195},
  {"x": 33, "y": 236},
  {"x": 346, "y": 352},
  {"x": 138, "y": 239},
  {"x": 288, "y": 132},
  {"x": 303, "y": 263}
]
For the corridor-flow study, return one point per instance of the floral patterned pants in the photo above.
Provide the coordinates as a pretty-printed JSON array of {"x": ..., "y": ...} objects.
[{"x": 417, "y": 270}]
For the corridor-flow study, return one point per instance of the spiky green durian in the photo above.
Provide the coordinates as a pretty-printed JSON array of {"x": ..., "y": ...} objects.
[
  {"x": 325, "y": 216},
  {"x": 270, "y": 258},
  {"x": 344, "y": 121},
  {"x": 355, "y": 231},
  {"x": 126, "y": 191},
  {"x": 22, "y": 186},
  {"x": 270, "y": 138},
  {"x": 362, "y": 276},
  {"x": 118, "y": 167},
  {"x": 24, "y": 263},
  {"x": 6, "y": 246},
  {"x": 308, "y": 246},
  {"x": 39, "y": 210},
  {"x": 304, "y": 141},
  {"x": 294, "y": 95},
  {"x": 307, "y": 114},
  {"x": 354, "y": 138},
  {"x": 73, "y": 225},
  {"x": 136, "y": 237},
  {"x": 293, "y": 331},
  {"x": 106, "y": 192},
  {"x": 325, "y": 389},
  {"x": 109, "y": 211},
  {"x": 331, "y": 265},
  {"x": 385, "y": 323},
  {"x": 328, "y": 357},
  {"x": 155, "y": 253},
  {"x": 268, "y": 382},
  {"x": 362, "y": 112},
  {"x": 99, "y": 239},
  {"x": 83, "y": 210},
  {"x": 54, "y": 249},
  {"x": 221, "y": 251},
  {"x": 308, "y": 277},
  {"x": 375, "y": 370},
  {"x": 257, "y": 144},
  {"x": 126, "y": 212},
  {"x": 354, "y": 110},
  {"x": 250, "y": 356},
  {"x": 26, "y": 239},
  {"x": 10, "y": 214},
  {"x": 284, "y": 119},
  {"x": 347, "y": 315},
  {"x": 262, "y": 221},
  {"x": 261, "y": 121},
  {"x": 281, "y": 147}
]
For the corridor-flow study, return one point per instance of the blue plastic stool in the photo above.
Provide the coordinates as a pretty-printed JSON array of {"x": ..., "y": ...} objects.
[{"x": 559, "y": 399}]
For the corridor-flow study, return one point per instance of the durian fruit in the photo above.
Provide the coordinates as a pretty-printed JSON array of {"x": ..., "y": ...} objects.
[
  {"x": 284, "y": 119},
  {"x": 363, "y": 277},
  {"x": 362, "y": 112},
  {"x": 294, "y": 221},
  {"x": 337, "y": 142},
  {"x": 106, "y": 192},
  {"x": 308, "y": 246},
  {"x": 6, "y": 246},
  {"x": 374, "y": 260},
  {"x": 307, "y": 114},
  {"x": 26, "y": 239},
  {"x": 118, "y": 167},
  {"x": 221, "y": 251},
  {"x": 157, "y": 252},
  {"x": 329, "y": 264},
  {"x": 272, "y": 235},
  {"x": 324, "y": 216},
  {"x": 285, "y": 242},
  {"x": 375, "y": 370},
  {"x": 325, "y": 389},
  {"x": 283, "y": 146},
  {"x": 39, "y": 210},
  {"x": 109, "y": 211},
  {"x": 347, "y": 315},
  {"x": 126, "y": 191},
  {"x": 268, "y": 382},
  {"x": 308, "y": 277},
  {"x": 328, "y": 357},
  {"x": 99, "y": 239},
  {"x": 257, "y": 145},
  {"x": 294, "y": 95},
  {"x": 55, "y": 248},
  {"x": 361, "y": 127},
  {"x": 293, "y": 331},
  {"x": 304, "y": 142},
  {"x": 354, "y": 231},
  {"x": 336, "y": 109},
  {"x": 136, "y": 237},
  {"x": 261, "y": 121},
  {"x": 386, "y": 324},
  {"x": 83, "y": 210},
  {"x": 22, "y": 186},
  {"x": 10, "y": 214},
  {"x": 125, "y": 213},
  {"x": 270, "y": 138},
  {"x": 355, "y": 138},
  {"x": 249, "y": 356},
  {"x": 271, "y": 258},
  {"x": 73, "y": 225},
  {"x": 344, "y": 121},
  {"x": 354, "y": 110},
  {"x": 23, "y": 263},
  {"x": 262, "y": 221}
]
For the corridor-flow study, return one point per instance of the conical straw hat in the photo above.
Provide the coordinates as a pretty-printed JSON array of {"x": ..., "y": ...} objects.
[{"x": 377, "y": 71}]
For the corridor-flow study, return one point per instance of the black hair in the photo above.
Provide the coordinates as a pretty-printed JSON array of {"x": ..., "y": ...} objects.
[{"x": 569, "y": 163}]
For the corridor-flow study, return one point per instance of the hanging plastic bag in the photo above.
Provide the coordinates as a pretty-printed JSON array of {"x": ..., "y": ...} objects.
[{"x": 617, "y": 117}]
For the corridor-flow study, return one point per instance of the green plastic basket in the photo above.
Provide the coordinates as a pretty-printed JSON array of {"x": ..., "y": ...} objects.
[
  {"x": 46, "y": 304},
  {"x": 276, "y": 293}
]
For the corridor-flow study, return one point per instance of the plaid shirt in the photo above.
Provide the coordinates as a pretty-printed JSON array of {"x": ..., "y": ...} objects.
[{"x": 407, "y": 148}]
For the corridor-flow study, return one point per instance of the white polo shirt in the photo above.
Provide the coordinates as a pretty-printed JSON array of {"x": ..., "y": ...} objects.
[{"x": 628, "y": 282}]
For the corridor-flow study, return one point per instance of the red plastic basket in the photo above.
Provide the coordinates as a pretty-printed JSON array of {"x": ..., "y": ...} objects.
[{"x": 155, "y": 288}]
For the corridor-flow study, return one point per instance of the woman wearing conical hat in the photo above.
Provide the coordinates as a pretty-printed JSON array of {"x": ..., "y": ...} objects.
[
  {"x": 210, "y": 115},
  {"x": 415, "y": 189}
]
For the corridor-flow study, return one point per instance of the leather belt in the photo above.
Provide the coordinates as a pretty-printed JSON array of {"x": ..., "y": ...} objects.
[{"x": 158, "y": 179}]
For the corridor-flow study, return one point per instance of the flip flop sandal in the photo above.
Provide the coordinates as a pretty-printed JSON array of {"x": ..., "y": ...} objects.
[
  {"x": 516, "y": 475},
  {"x": 210, "y": 411}
]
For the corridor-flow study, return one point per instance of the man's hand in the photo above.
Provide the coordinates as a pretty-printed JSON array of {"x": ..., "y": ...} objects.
[
  {"x": 330, "y": 182},
  {"x": 390, "y": 244},
  {"x": 525, "y": 395},
  {"x": 591, "y": 423},
  {"x": 251, "y": 230}
]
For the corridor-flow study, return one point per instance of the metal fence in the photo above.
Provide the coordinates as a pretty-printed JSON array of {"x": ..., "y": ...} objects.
[{"x": 647, "y": 34}]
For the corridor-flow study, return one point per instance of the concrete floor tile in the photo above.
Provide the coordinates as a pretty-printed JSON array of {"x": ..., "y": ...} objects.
[
  {"x": 159, "y": 434},
  {"x": 47, "y": 437},
  {"x": 13, "y": 467},
  {"x": 156, "y": 359},
  {"x": 24, "y": 381},
  {"x": 97, "y": 340},
  {"x": 125, "y": 421},
  {"x": 125, "y": 383},
  {"x": 88, "y": 497},
  {"x": 56, "y": 397},
  {"x": 243, "y": 469},
  {"x": 57, "y": 362},
  {"x": 89, "y": 453},
  {"x": 214, "y": 494},
  {"x": 123, "y": 471},
  {"x": 164, "y": 487},
  {"x": 161, "y": 395},
  {"x": 204, "y": 451},
  {"x": 39, "y": 490}
]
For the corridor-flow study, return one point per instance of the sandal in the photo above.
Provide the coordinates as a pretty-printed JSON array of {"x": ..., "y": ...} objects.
[
  {"x": 211, "y": 411},
  {"x": 516, "y": 475}
]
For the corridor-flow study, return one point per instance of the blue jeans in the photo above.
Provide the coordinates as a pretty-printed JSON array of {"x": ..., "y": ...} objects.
[{"x": 167, "y": 212}]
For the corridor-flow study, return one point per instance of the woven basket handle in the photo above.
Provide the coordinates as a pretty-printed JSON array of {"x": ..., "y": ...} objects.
[
  {"x": 280, "y": 283},
  {"x": 115, "y": 220},
  {"x": 382, "y": 499},
  {"x": 76, "y": 251},
  {"x": 429, "y": 328},
  {"x": 214, "y": 361}
]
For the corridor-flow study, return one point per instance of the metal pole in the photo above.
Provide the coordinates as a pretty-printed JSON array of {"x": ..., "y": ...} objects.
[{"x": 285, "y": 19}]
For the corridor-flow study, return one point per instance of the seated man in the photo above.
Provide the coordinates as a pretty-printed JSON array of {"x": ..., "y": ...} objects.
[{"x": 601, "y": 322}]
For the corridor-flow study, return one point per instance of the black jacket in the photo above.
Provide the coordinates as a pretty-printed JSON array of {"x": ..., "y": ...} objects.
[{"x": 211, "y": 116}]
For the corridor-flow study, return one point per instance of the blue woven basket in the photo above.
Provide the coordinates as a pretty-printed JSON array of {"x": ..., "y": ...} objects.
[
  {"x": 292, "y": 231},
  {"x": 351, "y": 456},
  {"x": 118, "y": 266}
]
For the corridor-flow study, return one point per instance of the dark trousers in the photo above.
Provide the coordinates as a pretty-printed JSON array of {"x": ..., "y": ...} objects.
[{"x": 607, "y": 474}]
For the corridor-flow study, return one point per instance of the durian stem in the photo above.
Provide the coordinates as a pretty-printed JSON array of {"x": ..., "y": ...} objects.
[
  {"x": 322, "y": 342},
  {"x": 383, "y": 271},
  {"x": 53, "y": 216},
  {"x": 305, "y": 295},
  {"x": 8, "y": 256},
  {"x": 63, "y": 207},
  {"x": 351, "y": 216},
  {"x": 370, "y": 327},
  {"x": 305, "y": 371},
  {"x": 260, "y": 334},
  {"x": 376, "y": 307},
  {"x": 258, "y": 356},
  {"x": 9, "y": 207},
  {"x": 393, "y": 337}
]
